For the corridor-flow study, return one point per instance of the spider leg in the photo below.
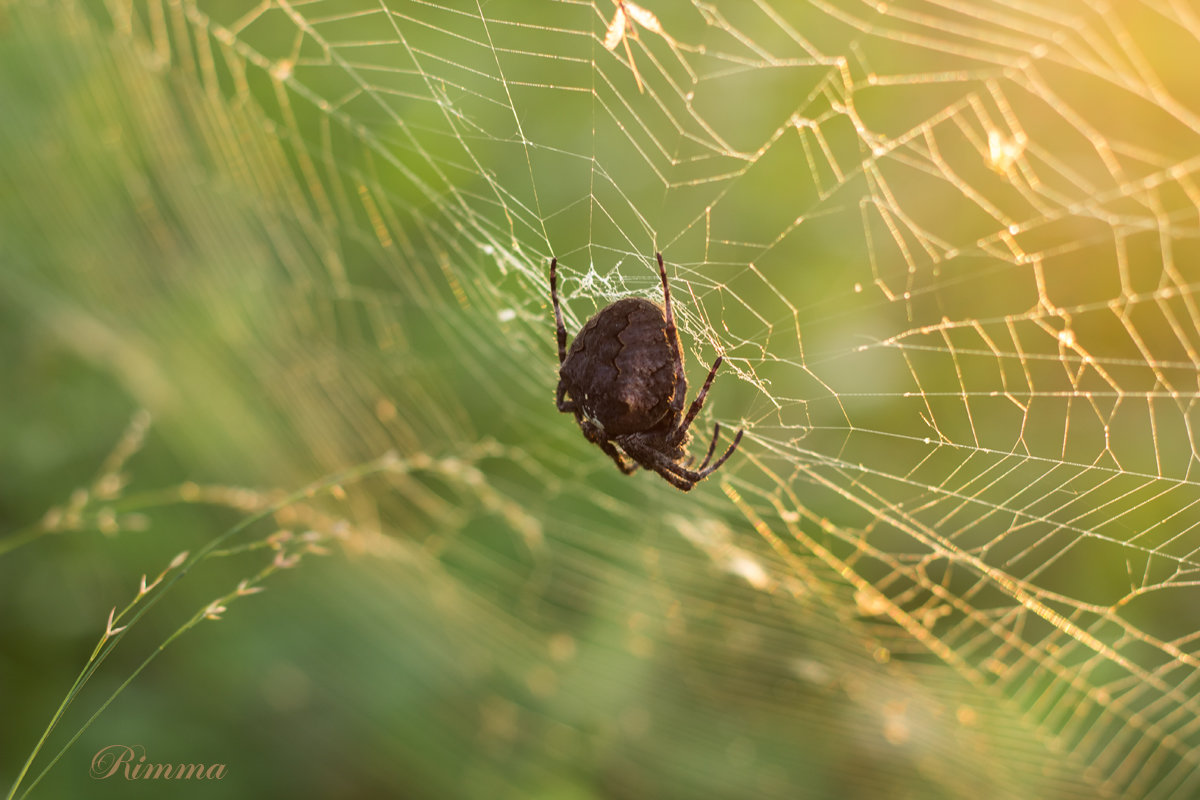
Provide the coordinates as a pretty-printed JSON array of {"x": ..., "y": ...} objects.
[
  {"x": 616, "y": 456},
  {"x": 683, "y": 472},
  {"x": 652, "y": 459},
  {"x": 661, "y": 464},
  {"x": 560, "y": 329},
  {"x": 560, "y": 399},
  {"x": 698, "y": 403},
  {"x": 673, "y": 338},
  {"x": 560, "y": 396},
  {"x": 711, "y": 447},
  {"x": 679, "y": 483},
  {"x": 704, "y": 473}
]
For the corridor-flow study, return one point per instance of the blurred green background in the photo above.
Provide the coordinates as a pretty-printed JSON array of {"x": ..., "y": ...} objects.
[{"x": 949, "y": 254}]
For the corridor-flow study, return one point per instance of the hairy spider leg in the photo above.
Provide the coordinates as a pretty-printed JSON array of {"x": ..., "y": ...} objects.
[
  {"x": 697, "y": 404},
  {"x": 561, "y": 330},
  {"x": 678, "y": 483},
  {"x": 560, "y": 397},
  {"x": 616, "y": 456},
  {"x": 673, "y": 338},
  {"x": 704, "y": 473},
  {"x": 677, "y": 404},
  {"x": 654, "y": 460},
  {"x": 673, "y": 473},
  {"x": 698, "y": 475},
  {"x": 712, "y": 446}
]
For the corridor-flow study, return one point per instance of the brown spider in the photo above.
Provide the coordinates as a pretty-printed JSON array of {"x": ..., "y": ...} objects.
[{"x": 624, "y": 374}]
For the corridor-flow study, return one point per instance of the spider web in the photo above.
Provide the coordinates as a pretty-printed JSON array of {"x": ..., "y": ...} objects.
[{"x": 949, "y": 251}]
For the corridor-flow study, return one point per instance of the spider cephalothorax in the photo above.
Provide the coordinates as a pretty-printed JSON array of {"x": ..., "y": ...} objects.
[{"x": 624, "y": 379}]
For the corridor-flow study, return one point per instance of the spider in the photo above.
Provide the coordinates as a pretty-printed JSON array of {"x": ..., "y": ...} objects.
[{"x": 624, "y": 376}]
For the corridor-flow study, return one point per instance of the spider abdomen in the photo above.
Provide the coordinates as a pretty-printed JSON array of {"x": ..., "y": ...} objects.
[{"x": 621, "y": 367}]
